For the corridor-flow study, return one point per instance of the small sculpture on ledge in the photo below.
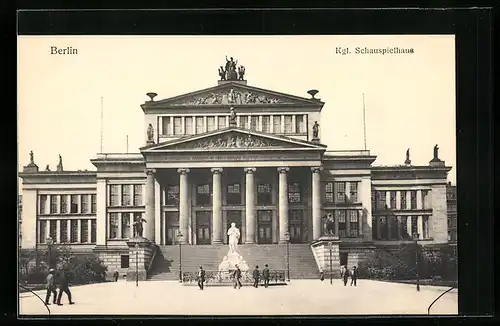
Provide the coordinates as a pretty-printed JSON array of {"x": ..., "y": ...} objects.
[
  {"x": 151, "y": 134},
  {"x": 222, "y": 73},
  {"x": 316, "y": 130},
  {"x": 47, "y": 168},
  {"x": 241, "y": 73},
  {"x": 32, "y": 159},
  {"x": 60, "y": 164},
  {"x": 138, "y": 228},
  {"x": 436, "y": 154},
  {"x": 407, "y": 160}
]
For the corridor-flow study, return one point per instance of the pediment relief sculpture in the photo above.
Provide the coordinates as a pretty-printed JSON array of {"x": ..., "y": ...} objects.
[
  {"x": 231, "y": 141},
  {"x": 233, "y": 96}
]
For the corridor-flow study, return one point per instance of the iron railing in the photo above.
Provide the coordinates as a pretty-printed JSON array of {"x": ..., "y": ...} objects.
[{"x": 226, "y": 277}]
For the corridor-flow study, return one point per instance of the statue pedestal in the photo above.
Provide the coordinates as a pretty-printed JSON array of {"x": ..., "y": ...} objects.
[
  {"x": 321, "y": 249},
  {"x": 436, "y": 163},
  {"x": 150, "y": 142},
  {"x": 230, "y": 261},
  {"x": 315, "y": 140},
  {"x": 32, "y": 167},
  {"x": 140, "y": 253}
]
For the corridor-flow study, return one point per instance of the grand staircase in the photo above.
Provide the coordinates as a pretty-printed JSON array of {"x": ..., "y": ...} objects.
[{"x": 166, "y": 263}]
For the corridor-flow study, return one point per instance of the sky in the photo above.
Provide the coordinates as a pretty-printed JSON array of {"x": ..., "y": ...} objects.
[{"x": 409, "y": 98}]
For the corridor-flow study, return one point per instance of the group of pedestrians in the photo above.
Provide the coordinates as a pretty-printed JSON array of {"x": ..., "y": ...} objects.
[
  {"x": 345, "y": 273},
  {"x": 53, "y": 283},
  {"x": 236, "y": 277}
]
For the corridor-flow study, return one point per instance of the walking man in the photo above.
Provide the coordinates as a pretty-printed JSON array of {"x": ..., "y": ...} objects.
[
  {"x": 354, "y": 275},
  {"x": 116, "y": 275},
  {"x": 345, "y": 276},
  {"x": 51, "y": 287},
  {"x": 201, "y": 277},
  {"x": 237, "y": 277},
  {"x": 265, "y": 276},
  {"x": 64, "y": 287},
  {"x": 256, "y": 276}
]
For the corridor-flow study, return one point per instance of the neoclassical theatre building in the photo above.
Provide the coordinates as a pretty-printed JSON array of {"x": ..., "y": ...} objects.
[{"x": 243, "y": 154}]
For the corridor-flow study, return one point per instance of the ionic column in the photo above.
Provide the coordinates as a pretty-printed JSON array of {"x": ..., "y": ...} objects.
[
  {"x": 149, "y": 226},
  {"x": 360, "y": 222},
  {"x": 283, "y": 203},
  {"x": 183, "y": 203},
  {"x": 216, "y": 206},
  {"x": 316, "y": 202},
  {"x": 250, "y": 205},
  {"x": 420, "y": 227}
]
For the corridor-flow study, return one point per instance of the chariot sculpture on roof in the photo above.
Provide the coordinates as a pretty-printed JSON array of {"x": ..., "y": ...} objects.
[{"x": 231, "y": 70}]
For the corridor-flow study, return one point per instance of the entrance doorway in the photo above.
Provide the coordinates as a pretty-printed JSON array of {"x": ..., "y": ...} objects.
[
  {"x": 343, "y": 258},
  {"x": 295, "y": 227},
  {"x": 265, "y": 226},
  {"x": 203, "y": 227},
  {"x": 171, "y": 227},
  {"x": 233, "y": 217}
]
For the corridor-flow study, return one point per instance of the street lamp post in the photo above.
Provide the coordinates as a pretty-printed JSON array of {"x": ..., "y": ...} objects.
[
  {"x": 136, "y": 265},
  {"x": 50, "y": 241},
  {"x": 179, "y": 240},
  {"x": 415, "y": 237},
  {"x": 287, "y": 238},
  {"x": 330, "y": 247}
]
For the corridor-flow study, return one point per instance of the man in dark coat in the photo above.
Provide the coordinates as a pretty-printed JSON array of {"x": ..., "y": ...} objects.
[
  {"x": 265, "y": 276},
  {"x": 345, "y": 276},
  {"x": 201, "y": 277},
  {"x": 237, "y": 277},
  {"x": 64, "y": 287},
  {"x": 354, "y": 275},
  {"x": 51, "y": 287},
  {"x": 256, "y": 277},
  {"x": 116, "y": 275}
]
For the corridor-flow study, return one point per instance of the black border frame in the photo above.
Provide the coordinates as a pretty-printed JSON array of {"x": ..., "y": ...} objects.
[{"x": 474, "y": 85}]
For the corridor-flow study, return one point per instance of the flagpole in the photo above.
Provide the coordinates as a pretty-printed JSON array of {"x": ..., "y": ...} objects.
[
  {"x": 364, "y": 120},
  {"x": 127, "y": 144},
  {"x": 102, "y": 120}
]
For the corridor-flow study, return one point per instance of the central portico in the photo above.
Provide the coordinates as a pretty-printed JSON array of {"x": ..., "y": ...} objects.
[{"x": 268, "y": 185}]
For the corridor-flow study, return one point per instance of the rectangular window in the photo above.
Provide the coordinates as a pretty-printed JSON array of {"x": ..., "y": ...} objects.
[
  {"x": 177, "y": 125},
  {"x": 353, "y": 192},
  {"x": 43, "y": 203},
  {"x": 93, "y": 231},
  {"x": 381, "y": 201},
  {"x": 210, "y": 123},
  {"x": 125, "y": 225},
  {"x": 425, "y": 203},
  {"x": 53, "y": 230},
  {"x": 74, "y": 204},
  {"x": 85, "y": 204},
  {"x": 63, "y": 233},
  {"x": 74, "y": 231},
  {"x": 403, "y": 226},
  {"x": 113, "y": 225},
  {"x": 124, "y": 261},
  {"x": 114, "y": 200},
  {"x": 244, "y": 122},
  {"x": 353, "y": 223},
  {"x": 413, "y": 199},
  {"x": 266, "y": 123},
  {"x": 64, "y": 204},
  {"x": 383, "y": 228},
  {"x": 414, "y": 226},
  {"x": 288, "y": 124},
  {"x": 265, "y": 217},
  {"x": 340, "y": 192},
  {"x": 264, "y": 194},
  {"x": 203, "y": 194},
  {"x": 221, "y": 122},
  {"x": 137, "y": 195},
  {"x": 172, "y": 195},
  {"x": 403, "y": 200},
  {"x": 53, "y": 204},
  {"x": 340, "y": 216},
  {"x": 172, "y": 219},
  {"x": 294, "y": 193},
  {"x": 374, "y": 199},
  {"x": 392, "y": 199},
  {"x": 277, "y": 124},
  {"x": 166, "y": 126},
  {"x": 234, "y": 194},
  {"x": 126, "y": 195},
  {"x": 329, "y": 192},
  {"x": 84, "y": 231},
  {"x": 188, "y": 125},
  {"x": 299, "y": 124},
  {"x": 41, "y": 235},
  {"x": 199, "y": 125},
  {"x": 93, "y": 199},
  {"x": 254, "y": 123}
]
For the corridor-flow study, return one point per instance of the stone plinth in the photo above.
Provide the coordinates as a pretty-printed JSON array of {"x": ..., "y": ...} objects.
[
  {"x": 140, "y": 253},
  {"x": 436, "y": 163},
  {"x": 315, "y": 140},
  {"x": 230, "y": 261},
  {"x": 32, "y": 167},
  {"x": 150, "y": 142},
  {"x": 321, "y": 250}
]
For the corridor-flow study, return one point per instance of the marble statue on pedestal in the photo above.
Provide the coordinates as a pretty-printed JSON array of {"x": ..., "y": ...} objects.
[{"x": 233, "y": 257}]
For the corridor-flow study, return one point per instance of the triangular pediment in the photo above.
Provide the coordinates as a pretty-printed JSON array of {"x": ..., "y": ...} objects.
[
  {"x": 233, "y": 94},
  {"x": 233, "y": 139}
]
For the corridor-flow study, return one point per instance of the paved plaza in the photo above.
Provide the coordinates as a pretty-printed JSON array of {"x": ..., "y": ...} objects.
[{"x": 300, "y": 297}]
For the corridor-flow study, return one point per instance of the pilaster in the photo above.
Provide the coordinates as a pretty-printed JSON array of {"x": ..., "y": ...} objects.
[
  {"x": 283, "y": 202},
  {"x": 250, "y": 205}
]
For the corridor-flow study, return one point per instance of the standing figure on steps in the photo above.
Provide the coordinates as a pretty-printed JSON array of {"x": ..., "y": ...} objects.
[
  {"x": 138, "y": 228},
  {"x": 234, "y": 237}
]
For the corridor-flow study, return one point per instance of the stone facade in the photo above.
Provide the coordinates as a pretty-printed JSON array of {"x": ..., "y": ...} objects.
[{"x": 197, "y": 173}]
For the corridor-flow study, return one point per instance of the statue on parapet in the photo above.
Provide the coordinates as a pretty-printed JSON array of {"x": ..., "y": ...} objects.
[
  {"x": 151, "y": 133},
  {"x": 316, "y": 130},
  {"x": 436, "y": 156},
  {"x": 230, "y": 69},
  {"x": 241, "y": 73},
  {"x": 407, "y": 160},
  {"x": 32, "y": 158},
  {"x": 234, "y": 236},
  {"x": 222, "y": 73},
  {"x": 60, "y": 164},
  {"x": 329, "y": 225},
  {"x": 138, "y": 228}
]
